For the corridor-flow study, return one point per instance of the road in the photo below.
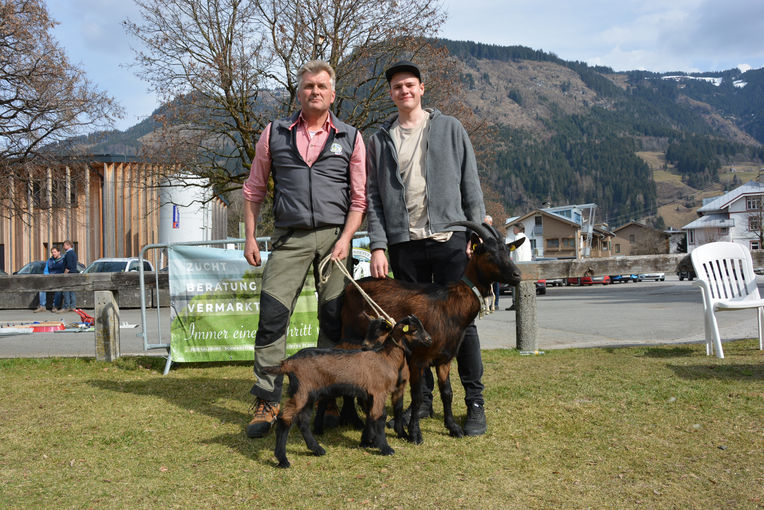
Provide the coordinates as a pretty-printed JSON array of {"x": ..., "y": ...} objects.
[{"x": 568, "y": 317}]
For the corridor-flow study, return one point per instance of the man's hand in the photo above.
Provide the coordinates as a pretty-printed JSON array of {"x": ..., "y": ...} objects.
[
  {"x": 378, "y": 264},
  {"x": 341, "y": 249},
  {"x": 252, "y": 252}
]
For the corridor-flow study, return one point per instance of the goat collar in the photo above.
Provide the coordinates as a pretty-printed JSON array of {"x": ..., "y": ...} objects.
[{"x": 478, "y": 295}]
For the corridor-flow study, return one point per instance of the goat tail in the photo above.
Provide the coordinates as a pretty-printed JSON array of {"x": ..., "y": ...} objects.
[{"x": 277, "y": 370}]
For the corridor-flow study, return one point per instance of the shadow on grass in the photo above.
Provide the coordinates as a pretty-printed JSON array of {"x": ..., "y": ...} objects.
[
  {"x": 201, "y": 394},
  {"x": 744, "y": 372},
  {"x": 669, "y": 352}
]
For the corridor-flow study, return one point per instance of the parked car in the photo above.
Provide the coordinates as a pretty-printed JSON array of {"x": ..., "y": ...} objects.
[
  {"x": 591, "y": 280},
  {"x": 690, "y": 275},
  {"x": 624, "y": 278},
  {"x": 505, "y": 288},
  {"x": 658, "y": 277},
  {"x": 573, "y": 281},
  {"x": 555, "y": 282},
  {"x": 117, "y": 265},
  {"x": 38, "y": 267}
]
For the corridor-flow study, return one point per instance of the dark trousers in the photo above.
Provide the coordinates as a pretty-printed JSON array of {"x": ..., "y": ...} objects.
[{"x": 428, "y": 261}]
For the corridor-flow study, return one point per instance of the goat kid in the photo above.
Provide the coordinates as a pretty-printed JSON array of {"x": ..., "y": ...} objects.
[
  {"x": 376, "y": 334},
  {"x": 370, "y": 374},
  {"x": 445, "y": 311}
]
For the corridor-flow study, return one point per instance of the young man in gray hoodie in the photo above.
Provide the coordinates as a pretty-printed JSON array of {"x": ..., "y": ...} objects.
[{"x": 422, "y": 175}]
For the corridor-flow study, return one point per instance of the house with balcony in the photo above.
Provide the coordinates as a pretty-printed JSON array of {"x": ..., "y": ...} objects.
[
  {"x": 566, "y": 232},
  {"x": 735, "y": 216}
]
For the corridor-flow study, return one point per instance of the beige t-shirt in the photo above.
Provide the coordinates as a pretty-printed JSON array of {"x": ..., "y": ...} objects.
[{"x": 411, "y": 146}]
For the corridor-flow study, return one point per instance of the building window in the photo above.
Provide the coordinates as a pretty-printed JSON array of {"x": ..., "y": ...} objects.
[
  {"x": 755, "y": 245},
  {"x": 631, "y": 238},
  {"x": 753, "y": 203},
  {"x": 691, "y": 236},
  {"x": 754, "y": 223},
  {"x": 618, "y": 247},
  {"x": 538, "y": 221},
  {"x": 552, "y": 244},
  {"x": 568, "y": 243}
]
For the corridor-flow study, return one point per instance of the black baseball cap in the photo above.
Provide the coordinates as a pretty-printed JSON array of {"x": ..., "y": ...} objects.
[{"x": 400, "y": 67}]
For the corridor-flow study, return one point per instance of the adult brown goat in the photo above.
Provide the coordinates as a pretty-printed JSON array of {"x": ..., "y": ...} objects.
[
  {"x": 370, "y": 374},
  {"x": 445, "y": 311}
]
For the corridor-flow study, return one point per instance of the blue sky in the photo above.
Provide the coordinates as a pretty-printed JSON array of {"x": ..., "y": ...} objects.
[{"x": 656, "y": 35}]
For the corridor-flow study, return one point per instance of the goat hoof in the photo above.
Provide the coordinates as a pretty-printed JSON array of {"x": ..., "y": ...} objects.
[
  {"x": 319, "y": 451},
  {"x": 456, "y": 433},
  {"x": 415, "y": 438},
  {"x": 284, "y": 464},
  {"x": 386, "y": 451}
]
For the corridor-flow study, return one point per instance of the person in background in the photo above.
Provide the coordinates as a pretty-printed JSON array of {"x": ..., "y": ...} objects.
[
  {"x": 318, "y": 164},
  {"x": 493, "y": 306},
  {"x": 55, "y": 265},
  {"x": 70, "y": 266},
  {"x": 522, "y": 253},
  {"x": 45, "y": 270}
]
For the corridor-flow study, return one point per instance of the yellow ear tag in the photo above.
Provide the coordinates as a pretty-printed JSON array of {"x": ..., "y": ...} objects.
[
  {"x": 406, "y": 328},
  {"x": 512, "y": 248}
]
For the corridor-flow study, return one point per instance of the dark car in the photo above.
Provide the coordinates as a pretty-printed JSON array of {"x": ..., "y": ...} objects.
[
  {"x": 690, "y": 275},
  {"x": 38, "y": 267},
  {"x": 505, "y": 288}
]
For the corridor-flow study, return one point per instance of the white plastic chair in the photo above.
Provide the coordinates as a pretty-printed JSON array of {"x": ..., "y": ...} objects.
[{"x": 727, "y": 281}]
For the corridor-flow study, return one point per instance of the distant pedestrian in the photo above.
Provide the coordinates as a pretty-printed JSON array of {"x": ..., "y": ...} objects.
[
  {"x": 494, "y": 305},
  {"x": 55, "y": 265},
  {"x": 522, "y": 253},
  {"x": 70, "y": 266},
  {"x": 41, "y": 307}
]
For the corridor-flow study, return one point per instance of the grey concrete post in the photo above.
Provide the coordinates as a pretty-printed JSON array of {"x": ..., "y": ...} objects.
[
  {"x": 106, "y": 325},
  {"x": 526, "y": 324}
]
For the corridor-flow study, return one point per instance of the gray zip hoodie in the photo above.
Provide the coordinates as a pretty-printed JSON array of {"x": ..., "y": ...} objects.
[{"x": 453, "y": 187}]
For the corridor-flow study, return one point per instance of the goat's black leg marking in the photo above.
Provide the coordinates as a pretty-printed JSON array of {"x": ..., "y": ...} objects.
[
  {"x": 282, "y": 433},
  {"x": 303, "y": 422},
  {"x": 381, "y": 439},
  {"x": 447, "y": 397},
  {"x": 398, "y": 424},
  {"x": 415, "y": 434},
  {"x": 318, "y": 420},
  {"x": 367, "y": 437},
  {"x": 349, "y": 415}
]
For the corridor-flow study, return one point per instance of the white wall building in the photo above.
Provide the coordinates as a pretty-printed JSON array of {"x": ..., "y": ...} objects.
[{"x": 735, "y": 216}]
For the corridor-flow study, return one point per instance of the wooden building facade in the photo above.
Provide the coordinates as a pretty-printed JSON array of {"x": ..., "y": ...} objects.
[{"x": 107, "y": 205}]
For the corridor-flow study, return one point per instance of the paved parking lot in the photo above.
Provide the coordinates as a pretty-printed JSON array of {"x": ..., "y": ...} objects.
[{"x": 568, "y": 317}]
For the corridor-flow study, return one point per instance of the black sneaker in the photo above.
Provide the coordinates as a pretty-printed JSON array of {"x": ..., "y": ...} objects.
[
  {"x": 475, "y": 424},
  {"x": 265, "y": 416}
]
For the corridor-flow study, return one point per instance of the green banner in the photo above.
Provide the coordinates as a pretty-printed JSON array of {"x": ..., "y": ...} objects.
[{"x": 215, "y": 300}]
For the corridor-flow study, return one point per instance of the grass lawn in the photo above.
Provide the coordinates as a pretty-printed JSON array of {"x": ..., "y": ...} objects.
[{"x": 650, "y": 427}]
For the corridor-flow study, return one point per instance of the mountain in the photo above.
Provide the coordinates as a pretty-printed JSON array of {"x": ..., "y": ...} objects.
[{"x": 641, "y": 145}]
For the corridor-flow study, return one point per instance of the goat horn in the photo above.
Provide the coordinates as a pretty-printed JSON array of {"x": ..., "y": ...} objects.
[
  {"x": 480, "y": 230},
  {"x": 494, "y": 231}
]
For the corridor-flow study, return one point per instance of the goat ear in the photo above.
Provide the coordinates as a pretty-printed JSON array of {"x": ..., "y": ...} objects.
[
  {"x": 515, "y": 244},
  {"x": 475, "y": 242}
]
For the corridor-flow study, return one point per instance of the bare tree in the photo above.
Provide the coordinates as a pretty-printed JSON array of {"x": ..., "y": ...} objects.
[
  {"x": 227, "y": 67},
  {"x": 44, "y": 99}
]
